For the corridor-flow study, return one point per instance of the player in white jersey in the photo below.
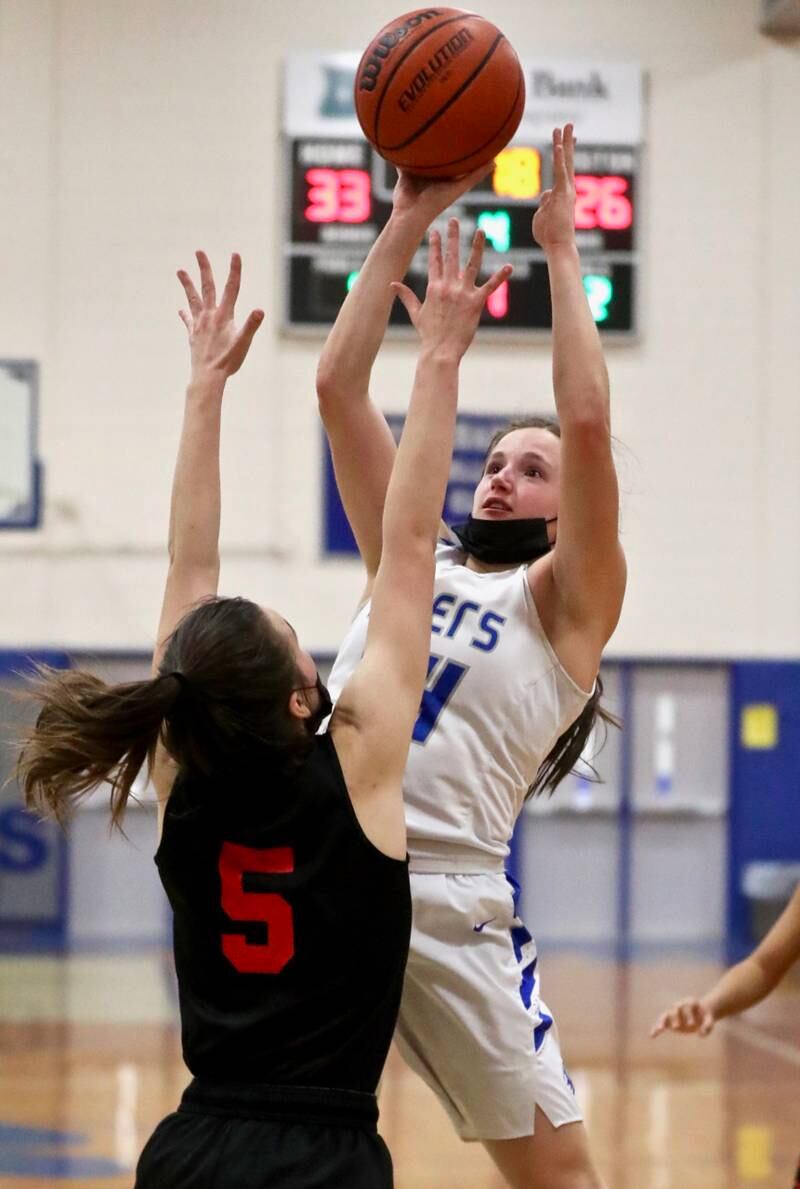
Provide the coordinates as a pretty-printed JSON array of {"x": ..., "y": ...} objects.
[{"x": 523, "y": 607}]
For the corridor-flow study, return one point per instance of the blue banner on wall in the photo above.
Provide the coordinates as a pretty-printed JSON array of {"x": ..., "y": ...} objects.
[
  {"x": 473, "y": 432},
  {"x": 764, "y": 818},
  {"x": 33, "y": 854}
]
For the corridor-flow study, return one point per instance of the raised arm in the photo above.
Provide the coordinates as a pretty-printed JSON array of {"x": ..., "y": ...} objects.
[
  {"x": 376, "y": 711},
  {"x": 587, "y": 563},
  {"x": 361, "y": 442},
  {"x": 745, "y": 984},
  {"x": 217, "y": 350}
]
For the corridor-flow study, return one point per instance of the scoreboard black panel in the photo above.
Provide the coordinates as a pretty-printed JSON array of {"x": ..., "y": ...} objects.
[{"x": 340, "y": 198}]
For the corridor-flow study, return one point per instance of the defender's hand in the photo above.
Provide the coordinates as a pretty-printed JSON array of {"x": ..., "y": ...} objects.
[
  {"x": 217, "y": 348},
  {"x": 448, "y": 318}
]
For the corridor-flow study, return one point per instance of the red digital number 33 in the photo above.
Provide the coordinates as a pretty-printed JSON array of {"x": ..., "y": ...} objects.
[{"x": 271, "y": 909}]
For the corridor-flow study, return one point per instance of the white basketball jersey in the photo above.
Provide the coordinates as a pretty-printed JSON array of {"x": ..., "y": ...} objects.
[{"x": 496, "y": 700}]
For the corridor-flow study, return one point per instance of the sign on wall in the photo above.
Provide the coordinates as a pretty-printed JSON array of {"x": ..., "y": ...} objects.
[
  {"x": 19, "y": 467},
  {"x": 33, "y": 854},
  {"x": 473, "y": 432}
]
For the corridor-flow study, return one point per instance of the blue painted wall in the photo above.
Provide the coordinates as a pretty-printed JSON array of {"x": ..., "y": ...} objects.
[{"x": 764, "y": 821}]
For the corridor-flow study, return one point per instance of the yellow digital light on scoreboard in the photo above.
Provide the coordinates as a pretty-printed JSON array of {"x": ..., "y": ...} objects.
[{"x": 518, "y": 173}]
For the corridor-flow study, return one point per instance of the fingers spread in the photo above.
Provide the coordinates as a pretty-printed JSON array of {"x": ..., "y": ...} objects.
[
  {"x": 408, "y": 298},
  {"x": 251, "y": 325},
  {"x": 496, "y": 280},
  {"x": 434, "y": 256},
  {"x": 473, "y": 266},
  {"x": 236, "y": 355},
  {"x": 451, "y": 260},
  {"x": 192, "y": 296},
  {"x": 207, "y": 286},
  {"x": 231, "y": 291}
]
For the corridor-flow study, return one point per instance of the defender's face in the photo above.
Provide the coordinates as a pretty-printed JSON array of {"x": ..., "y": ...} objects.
[{"x": 521, "y": 478}]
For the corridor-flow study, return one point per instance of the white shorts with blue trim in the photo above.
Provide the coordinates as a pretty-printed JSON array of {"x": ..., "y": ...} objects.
[{"x": 471, "y": 1022}]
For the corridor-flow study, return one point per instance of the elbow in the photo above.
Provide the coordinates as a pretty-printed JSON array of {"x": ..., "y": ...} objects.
[
  {"x": 324, "y": 380},
  {"x": 325, "y": 394},
  {"x": 582, "y": 399},
  {"x": 588, "y": 426},
  {"x": 329, "y": 387},
  {"x": 415, "y": 560},
  {"x": 416, "y": 547},
  {"x": 206, "y": 569}
]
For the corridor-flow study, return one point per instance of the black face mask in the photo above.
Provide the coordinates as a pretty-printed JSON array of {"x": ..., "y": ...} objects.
[
  {"x": 501, "y": 542},
  {"x": 318, "y": 716}
]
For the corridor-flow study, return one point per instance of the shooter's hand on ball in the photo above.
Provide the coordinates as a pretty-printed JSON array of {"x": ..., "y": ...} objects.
[
  {"x": 554, "y": 221},
  {"x": 218, "y": 348},
  {"x": 424, "y": 199},
  {"x": 448, "y": 318}
]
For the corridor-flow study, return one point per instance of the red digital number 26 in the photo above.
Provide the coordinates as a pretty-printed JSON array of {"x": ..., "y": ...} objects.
[{"x": 271, "y": 909}]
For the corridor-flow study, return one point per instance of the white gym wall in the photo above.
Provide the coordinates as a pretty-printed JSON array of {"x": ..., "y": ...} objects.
[{"x": 132, "y": 133}]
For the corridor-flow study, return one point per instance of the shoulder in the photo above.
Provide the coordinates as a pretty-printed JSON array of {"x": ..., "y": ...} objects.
[
  {"x": 597, "y": 615},
  {"x": 448, "y": 552},
  {"x": 324, "y": 763},
  {"x": 577, "y": 645}
]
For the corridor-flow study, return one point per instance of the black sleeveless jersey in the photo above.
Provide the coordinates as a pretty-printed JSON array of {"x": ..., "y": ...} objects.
[{"x": 291, "y": 929}]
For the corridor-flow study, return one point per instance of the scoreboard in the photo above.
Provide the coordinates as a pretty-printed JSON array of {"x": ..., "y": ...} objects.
[{"x": 339, "y": 196}]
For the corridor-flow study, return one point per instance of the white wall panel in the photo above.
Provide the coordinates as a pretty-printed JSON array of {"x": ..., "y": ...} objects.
[{"x": 134, "y": 133}]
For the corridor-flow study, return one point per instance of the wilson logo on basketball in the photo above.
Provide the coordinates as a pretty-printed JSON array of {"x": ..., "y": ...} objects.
[
  {"x": 384, "y": 45},
  {"x": 443, "y": 57}
]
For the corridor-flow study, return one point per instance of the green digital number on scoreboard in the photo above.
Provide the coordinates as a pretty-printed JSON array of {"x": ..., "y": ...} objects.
[{"x": 340, "y": 196}]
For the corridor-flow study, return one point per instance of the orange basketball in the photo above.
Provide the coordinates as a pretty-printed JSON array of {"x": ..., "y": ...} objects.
[{"x": 439, "y": 91}]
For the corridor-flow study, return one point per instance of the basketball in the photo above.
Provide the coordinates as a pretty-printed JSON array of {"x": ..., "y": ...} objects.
[{"x": 439, "y": 91}]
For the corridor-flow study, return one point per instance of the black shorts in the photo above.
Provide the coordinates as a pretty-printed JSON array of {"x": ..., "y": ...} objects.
[{"x": 267, "y": 1137}]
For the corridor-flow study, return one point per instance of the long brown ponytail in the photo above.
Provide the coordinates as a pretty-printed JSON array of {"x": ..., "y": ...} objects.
[
  {"x": 222, "y": 691},
  {"x": 89, "y": 732}
]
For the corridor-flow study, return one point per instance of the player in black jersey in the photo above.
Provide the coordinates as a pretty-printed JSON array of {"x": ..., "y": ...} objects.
[{"x": 282, "y": 851}]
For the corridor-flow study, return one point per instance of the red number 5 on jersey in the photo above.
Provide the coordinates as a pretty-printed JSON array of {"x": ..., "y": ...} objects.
[{"x": 268, "y": 907}]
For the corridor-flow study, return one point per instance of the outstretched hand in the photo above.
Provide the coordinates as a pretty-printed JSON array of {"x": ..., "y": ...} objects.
[
  {"x": 554, "y": 221},
  {"x": 448, "y": 318},
  {"x": 687, "y": 1015},
  {"x": 217, "y": 348}
]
